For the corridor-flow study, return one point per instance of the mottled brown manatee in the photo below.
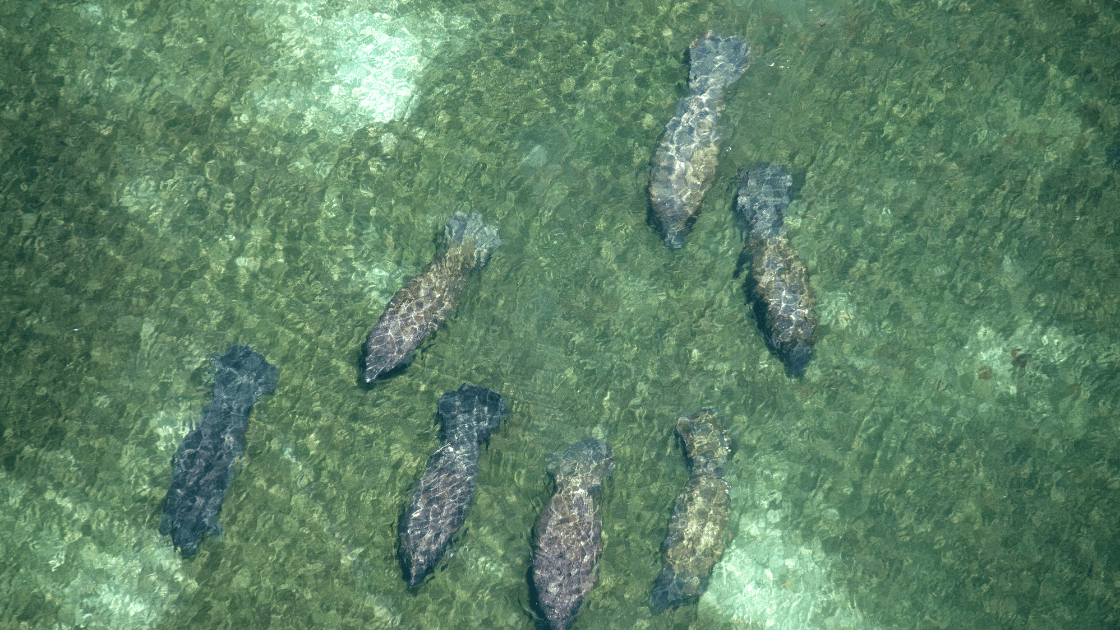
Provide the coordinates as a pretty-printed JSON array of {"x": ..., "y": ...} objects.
[
  {"x": 569, "y": 532},
  {"x": 417, "y": 310},
  {"x": 777, "y": 284}
]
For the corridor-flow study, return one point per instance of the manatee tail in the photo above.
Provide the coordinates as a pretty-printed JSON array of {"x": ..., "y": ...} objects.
[
  {"x": 716, "y": 62},
  {"x": 471, "y": 409},
  {"x": 667, "y": 591},
  {"x": 763, "y": 197},
  {"x": 586, "y": 464},
  {"x": 469, "y": 230}
]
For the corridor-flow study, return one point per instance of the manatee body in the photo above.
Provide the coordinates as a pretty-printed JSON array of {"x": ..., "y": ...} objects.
[
  {"x": 444, "y": 492},
  {"x": 207, "y": 461},
  {"x": 569, "y": 532},
  {"x": 684, "y": 164},
  {"x": 417, "y": 310},
  {"x": 777, "y": 283},
  {"x": 701, "y": 515}
]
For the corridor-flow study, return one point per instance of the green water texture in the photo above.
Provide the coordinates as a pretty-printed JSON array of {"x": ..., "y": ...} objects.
[{"x": 949, "y": 460}]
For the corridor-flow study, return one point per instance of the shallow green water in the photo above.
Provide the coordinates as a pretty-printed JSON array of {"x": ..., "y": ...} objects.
[{"x": 177, "y": 179}]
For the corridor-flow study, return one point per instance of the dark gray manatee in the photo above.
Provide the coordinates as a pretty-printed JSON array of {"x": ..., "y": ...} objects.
[
  {"x": 684, "y": 165},
  {"x": 417, "y": 310},
  {"x": 444, "y": 492},
  {"x": 569, "y": 532},
  {"x": 701, "y": 514},
  {"x": 777, "y": 283},
  {"x": 208, "y": 459}
]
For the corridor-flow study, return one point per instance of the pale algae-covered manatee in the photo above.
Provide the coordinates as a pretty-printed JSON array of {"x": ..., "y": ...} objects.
[
  {"x": 701, "y": 514},
  {"x": 569, "y": 533}
]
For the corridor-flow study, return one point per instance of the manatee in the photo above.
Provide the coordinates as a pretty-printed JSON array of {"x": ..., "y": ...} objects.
[
  {"x": 417, "y": 310},
  {"x": 684, "y": 164}
]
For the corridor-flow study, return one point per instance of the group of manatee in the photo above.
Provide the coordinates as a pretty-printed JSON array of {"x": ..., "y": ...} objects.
[{"x": 567, "y": 543}]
